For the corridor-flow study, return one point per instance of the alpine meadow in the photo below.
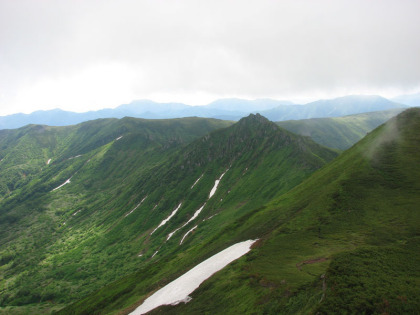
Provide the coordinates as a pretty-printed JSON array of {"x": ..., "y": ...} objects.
[
  {"x": 210, "y": 157},
  {"x": 95, "y": 217}
]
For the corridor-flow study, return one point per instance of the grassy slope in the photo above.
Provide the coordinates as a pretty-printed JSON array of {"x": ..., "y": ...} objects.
[
  {"x": 24, "y": 152},
  {"x": 34, "y": 222},
  {"x": 339, "y": 132},
  {"x": 257, "y": 153},
  {"x": 344, "y": 241},
  {"x": 364, "y": 221},
  {"x": 81, "y": 230}
]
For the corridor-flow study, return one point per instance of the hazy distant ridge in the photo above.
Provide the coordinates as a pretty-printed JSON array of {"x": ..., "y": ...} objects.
[{"x": 228, "y": 109}]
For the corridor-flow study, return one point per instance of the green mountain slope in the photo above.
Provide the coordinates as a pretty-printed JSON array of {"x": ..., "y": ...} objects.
[
  {"x": 339, "y": 132},
  {"x": 89, "y": 220},
  {"x": 30, "y": 150},
  {"x": 344, "y": 241}
]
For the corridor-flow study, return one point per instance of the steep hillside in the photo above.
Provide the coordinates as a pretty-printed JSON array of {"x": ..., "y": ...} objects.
[
  {"x": 127, "y": 204},
  {"x": 30, "y": 150},
  {"x": 344, "y": 241},
  {"x": 339, "y": 132}
]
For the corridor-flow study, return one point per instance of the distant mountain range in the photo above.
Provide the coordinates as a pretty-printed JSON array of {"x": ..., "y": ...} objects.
[{"x": 227, "y": 109}]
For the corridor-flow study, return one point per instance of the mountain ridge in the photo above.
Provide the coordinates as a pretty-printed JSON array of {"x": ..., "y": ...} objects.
[
  {"x": 121, "y": 199},
  {"x": 228, "y": 109},
  {"x": 316, "y": 244},
  {"x": 339, "y": 132}
]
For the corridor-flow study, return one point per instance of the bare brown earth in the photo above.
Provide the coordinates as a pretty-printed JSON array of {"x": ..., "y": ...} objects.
[{"x": 311, "y": 261}]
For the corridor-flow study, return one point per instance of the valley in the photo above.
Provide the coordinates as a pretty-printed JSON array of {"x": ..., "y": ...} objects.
[{"x": 147, "y": 201}]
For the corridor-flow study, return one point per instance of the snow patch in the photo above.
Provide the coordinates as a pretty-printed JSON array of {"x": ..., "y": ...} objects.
[
  {"x": 49, "y": 161},
  {"x": 216, "y": 183},
  {"x": 210, "y": 217},
  {"x": 139, "y": 255},
  {"x": 76, "y": 212},
  {"x": 185, "y": 235},
  {"x": 65, "y": 183},
  {"x": 136, "y": 206},
  {"x": 197, "y": 181},
  {"x": 155, "y": 253},
  {"x": 178, "y": 290},
  {"x": 74, "y": 157},
  {"x": 195, "y": 215},
  {"x": 167, "y": 219},
  {"x": 192, "y": 218},
  {"x": 186, "y": 300},
  {"x": 172, "y": 233},
  {"x": 118, "y": 138}
]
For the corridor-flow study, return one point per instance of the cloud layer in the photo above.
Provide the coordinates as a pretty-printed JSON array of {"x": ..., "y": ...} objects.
[{"x": 90, "y": 54}]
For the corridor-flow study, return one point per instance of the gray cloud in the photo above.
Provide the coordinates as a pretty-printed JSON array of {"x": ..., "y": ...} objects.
[{"x": 218, "y": 48}]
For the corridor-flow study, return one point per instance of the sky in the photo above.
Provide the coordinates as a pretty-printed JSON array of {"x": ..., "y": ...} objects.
[{"x": 84, "y": 55}]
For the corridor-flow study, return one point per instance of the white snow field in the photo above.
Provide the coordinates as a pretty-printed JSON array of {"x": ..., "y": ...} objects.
[
  {"x": 185, "y": 235},
  {"x": 197, "y": 181},
  {"x": 167, "y": 219},
  {"x": 49, "y": 161},
  {"x": 178, "y": 290},
  {"x": 216, "y": 183},
  {"x": 66, "y": 182},
  {"x": 136, "y": 206}
]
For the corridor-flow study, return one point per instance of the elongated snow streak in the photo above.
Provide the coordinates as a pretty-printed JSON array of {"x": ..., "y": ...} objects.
[
  {"x": 155, "y": 253},
  {"x": 192, "y": 218},
  {"x": 172, "y": 233},
  {"x": 178, "y": 290},
  {"x": 136, "y": 206},
  {"x": 119, "y": 138},
  {"x": 216, "y": 183},
  {"x": 197, "y": 181},
  {"x": 74, "y": 157},
  {"x": 167, "y": 219},
  {"x": 210, "y": 217},
  {"x": 66, "y": 182},
  {"x": 185, "y": 235},
  {"x": 49, "y": 161}
]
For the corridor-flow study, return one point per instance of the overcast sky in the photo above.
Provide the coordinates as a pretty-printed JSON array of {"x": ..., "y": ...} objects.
[{"x": 81, "y": 55}]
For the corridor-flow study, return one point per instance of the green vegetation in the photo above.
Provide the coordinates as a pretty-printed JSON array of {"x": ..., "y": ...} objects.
[
  {"x": 343, "y": 241},
  {"x": 59, "y": 246},
  {"x": 339, "y": 132},
  {"x": 48, "y": 238}
]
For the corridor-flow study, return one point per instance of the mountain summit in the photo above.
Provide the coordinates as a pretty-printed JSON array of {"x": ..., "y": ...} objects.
[
  {"x": 119, "y": 213},
  {"x": 344, "y": 240}
]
